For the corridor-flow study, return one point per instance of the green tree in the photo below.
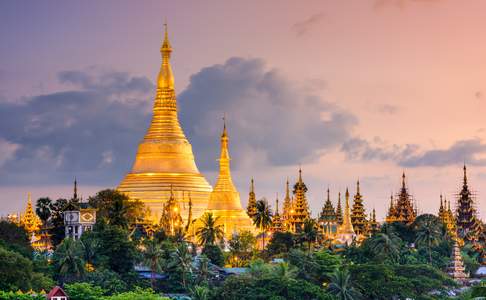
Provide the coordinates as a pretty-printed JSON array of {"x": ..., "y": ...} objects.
[
  {"x": 43, "y": 209},
  {"x": 57, "y": 229},
  {"x": 285, "y": 271},
  {"x": 281, "y": 243},
  {"x": 109, "y": 281},
  {"x": 309, "y": 233},
  {"x": 116, "y": 208},
  {"x": 385, "y": 244},
  {"x": 15, "y": 271},
  {"x": 153, "y": 256},
  {"x": 89, "y": 244},
  {"x": 200, "y": 293},
  {"x": 241, "y": 246},
  {"x": 114, "y": 251},
  {"x": 68, "y": 259},
  {"x": 214, "y": 253},
  {"x": 263, "y": 218},
  {"x": 83, "y": 291},
  {"x": 210, "y": 232},
  {"x": 341, "y": 285},
  {"x": 429, "y": 232},
  {"x": 14, "y": 237},
  {"x": 137, "y": 294},
  {"x": 181, "y": 261}
]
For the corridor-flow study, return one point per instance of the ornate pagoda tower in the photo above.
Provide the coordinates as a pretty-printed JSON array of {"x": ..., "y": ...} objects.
[
  {"x": 277, "y": 223},
  {"x": 468, "y": 225},
  {"x": 29, "y": 219},
  {"x": 345, "y": 233},
  {"x": 171, "y": 219},
  {"x": 300, "y": 208},
  {"x": 224, "y": 201},
  {"x": 456, "y": 267},
  {"x": 374, "y": 226},
  {"x": 358, "y": 215},
  {"x": 251, "y": 207},
  {"x": 339, "y": 210},
  {"x": 392, "y": 212},
  {"x": 446, "y": 216},
  {"x": 287, "y": 207},
  {"x": 164, "y": 157},
  {"x": 405, "y": 211},
  {"x": 328, "y": 218}
]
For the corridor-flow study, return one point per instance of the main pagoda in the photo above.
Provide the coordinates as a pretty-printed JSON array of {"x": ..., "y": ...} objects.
[
  {"x": 224, "y": 201},
  {"x": 300, "y": 208},
  {"x": 164, "y": 157},
  {"x": 358, "y": 215}
]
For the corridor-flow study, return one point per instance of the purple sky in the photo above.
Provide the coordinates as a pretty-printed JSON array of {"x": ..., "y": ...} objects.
[{"x": 349, "y": 89}]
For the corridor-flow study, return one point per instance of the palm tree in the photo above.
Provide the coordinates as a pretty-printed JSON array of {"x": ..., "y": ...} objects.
[
  {"x": 309, "y": 232},
  {"x": 43, "y": 209},
  {"x": 89, "y": 245},
  {"x": 181, "y": 260},
  {"x": 263, "y": 218},
  {"x": 285, "y": 271},
  {"x": 68, "y": 259},
  {"x": 385, "y": 244},
  {"x": 209, "y": 232},
  {"x": 428, "y": 233},
  {"x": 153, "y": 256},
  {"x": 200, "y": 293},
  {"x": 341, "y": 287}
]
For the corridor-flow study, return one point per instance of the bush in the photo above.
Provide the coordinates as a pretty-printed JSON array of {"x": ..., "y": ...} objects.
[
  {"x": 214, "y": 254},
  {"x": 83, "y": 291}
]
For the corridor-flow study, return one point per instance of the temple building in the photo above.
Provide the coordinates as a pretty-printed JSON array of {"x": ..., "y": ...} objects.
[
  {"x": 456, "y": 266},
  {"x": 287, "y": 207},
  {"x": 29, "y": 219},
  {"x": 345, "y": 234},
  {"x": 300, "y": 209},
  {"x": 339, "y": 210},
  {"x": 468, "y": 224},
  {"x": 171, "y": 219},
  {"x": 328, "y": 220},
  {"x": 374, "y": 226},
  {"x": 446, "y": 216},
  {"x": 251, "y": 207},
  {"x": 403, "y": 209},
  {"x": 164, "y": 158},
  {"x": 358, "y": 215},
  {"x": 277, "y": 223},
  {"x": 224, "y": 201}
]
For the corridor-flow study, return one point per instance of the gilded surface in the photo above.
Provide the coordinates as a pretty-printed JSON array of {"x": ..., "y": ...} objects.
[{"x": 164, "y": 157}]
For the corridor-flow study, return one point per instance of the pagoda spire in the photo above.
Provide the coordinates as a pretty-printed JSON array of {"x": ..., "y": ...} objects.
[
  {"x": 29, "y": 218},
  {"x": 225, "y": 182},
  {"x": 300, "y": 207},
  {"x": 468, "y": 224},
  {"x": 251, "y": 207},
  {"x": 287, "y": 206},
  {"x": 339, "y": 210},
  {"x": 328, "y": 214},
  {"x": 358, "y": 215},
  {"x": 75, "y": 195},
  {"x": 345, "y": 232}
]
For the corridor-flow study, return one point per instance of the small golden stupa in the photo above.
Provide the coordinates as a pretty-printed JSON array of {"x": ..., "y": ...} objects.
[
  {"x": 345, "y": 232},
  {"x": 164, "y": 157},
  {"x": 224, "y": 202}
]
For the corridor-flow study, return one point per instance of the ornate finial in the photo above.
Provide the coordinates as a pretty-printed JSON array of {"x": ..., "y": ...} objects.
[
  {"x": 328, "y": 198},
  {"x": 357, "y": 187},
  {"x": 465, "y": 175},
  {"x": 75, "y": 196},
  {"x": 166, "y": 78},
  {"x": 300, "y": 174},
  {"x": 276, "y": 205},
  {"x": 403, "y": 180},
  {"x": 224, "y": 126},
  {"x": 252, "y": 186},
  {"x": 441, "y": 203}
]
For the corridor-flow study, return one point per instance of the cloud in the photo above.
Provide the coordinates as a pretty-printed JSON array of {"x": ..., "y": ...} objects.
[
  {"x": 271, "y": 120},
  {"x": 7, "y": 151},
  {"x": 378, "y": 4},
  {"x": 471, "y": 151},
  {"x": 360, "y": 149},
  {"x": 388, "y": 109},
  {"x": 301, "y": 28},
  {"x": 90, "y": 130},
  {"x": 468, "y": 151}
]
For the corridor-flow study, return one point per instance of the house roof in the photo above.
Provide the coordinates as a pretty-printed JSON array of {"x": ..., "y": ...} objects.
[{"x": 56, "y": 292}]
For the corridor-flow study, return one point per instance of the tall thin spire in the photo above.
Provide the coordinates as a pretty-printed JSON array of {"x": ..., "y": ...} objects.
[
  {"x": 75, "y": 196},
  {"x": 166, "y": 78},
  {"x": 403, "y": 180},
  {"x": 276, "y": 205},
  {"x": 465, "y": 174}
]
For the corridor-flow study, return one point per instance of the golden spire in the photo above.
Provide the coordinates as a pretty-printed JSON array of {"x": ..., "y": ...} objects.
[
  {"x": 403, "y": 180},
  {"x": 357, "y": 187},
  {"x": 345, "y": 231},
  {"x": 276, "y": 205},
  {"x": 29, "y": 219},
  {"x": 224, "y": 183}
]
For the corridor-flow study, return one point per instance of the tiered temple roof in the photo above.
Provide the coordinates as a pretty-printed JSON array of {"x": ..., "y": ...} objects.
[
  {"x": 328, "y": 214},
  {"x": 300, "y": 208},
  {"x": 29, "y": 219},
  {"x": 403, "y": 209},
  {"x": 468, "y": 224},
  {"x": 277, "y": 223},
  {"x": 358, "y": 215},
  {"x": 251, "y": 207},
  {"x": 456, "y": 267}
]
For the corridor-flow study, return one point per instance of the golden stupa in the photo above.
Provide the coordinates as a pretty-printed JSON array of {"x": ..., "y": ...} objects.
[
  {"x": 164, "y": 157},
  {"x": 224, "y": 202}
]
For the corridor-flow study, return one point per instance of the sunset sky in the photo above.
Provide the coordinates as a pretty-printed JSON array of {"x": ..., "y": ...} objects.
[{"x": 348, "y": 89}]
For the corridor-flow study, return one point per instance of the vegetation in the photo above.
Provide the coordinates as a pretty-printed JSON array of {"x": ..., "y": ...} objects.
[{"x": 398, "y": 262}]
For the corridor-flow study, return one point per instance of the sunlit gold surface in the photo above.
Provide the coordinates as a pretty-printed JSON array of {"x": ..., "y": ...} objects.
[
  {"x": 164, "y": 157},
  {"x": 224, "y": 201}
]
